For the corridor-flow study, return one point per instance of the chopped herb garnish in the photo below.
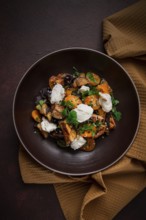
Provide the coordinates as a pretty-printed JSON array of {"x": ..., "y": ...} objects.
[
  {"x": 65, "y": 112},
  {"x": 93, "y": 91},
  {"x": 67, "y": 104},
  {"x": 88, "y": 127},
  {"x": 41, "y": 102},
  {"x": 72, "y": 118},
  {"x": 84, "y": 94},
  {"x": 90, "y": 76},
  {"x": 117, "y": 115},
  {"x": 38, "y": 107},
  {"x": 114, "y": 101},
  {"x": 98, "y": 123},
  {"x": 76, "y": 73}
]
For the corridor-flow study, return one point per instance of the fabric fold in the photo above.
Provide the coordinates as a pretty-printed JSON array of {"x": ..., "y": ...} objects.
[{"x": 124, "y": 33}]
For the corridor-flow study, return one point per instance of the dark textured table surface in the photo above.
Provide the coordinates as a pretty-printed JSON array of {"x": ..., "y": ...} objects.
[{"x": 28, "y": 31}]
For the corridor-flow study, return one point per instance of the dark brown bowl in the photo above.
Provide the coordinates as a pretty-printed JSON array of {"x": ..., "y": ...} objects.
[{"x": 108, "y": 150}]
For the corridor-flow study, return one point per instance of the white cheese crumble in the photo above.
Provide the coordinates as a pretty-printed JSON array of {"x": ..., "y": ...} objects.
[
  {"x": 84, "y": 112},
  {"x": 84, "y": 88},
  {"x": 47, "y": 126},
  {"x": 105, "y": 101},
  {"x": 58, "y": 93},
  {"x": 78, "y": 142}
]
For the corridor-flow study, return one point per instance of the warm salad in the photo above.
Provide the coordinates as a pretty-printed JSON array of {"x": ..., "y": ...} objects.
[{"x": 75, "y": 109}]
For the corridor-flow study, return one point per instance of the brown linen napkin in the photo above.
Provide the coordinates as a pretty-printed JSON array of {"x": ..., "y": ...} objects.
[{"x": 102, "y": 195}]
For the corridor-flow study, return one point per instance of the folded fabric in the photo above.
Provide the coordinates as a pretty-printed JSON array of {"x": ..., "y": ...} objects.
[{"x": 102, "y": 195}]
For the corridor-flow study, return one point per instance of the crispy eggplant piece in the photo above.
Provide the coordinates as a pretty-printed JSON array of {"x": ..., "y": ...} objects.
[
  {"x": 95, "y": 118},
  {"x": 44, "y": 109},
  {"x": 68, "y": 132},
  {"x": 101, "y": 113},
  {"x": 89, "y": 146},
  {"x": 101, "y": 131},
  {"x": 49, "y": 116},
  {"x": 57, "y": 134},
  {"x": 112, "y": 123},
  {"x": 57, "y": 79},
  {"x": 44, "y": 133},
  {"x": 80, "y": 81},
  {"x": 57, "y": 111}
]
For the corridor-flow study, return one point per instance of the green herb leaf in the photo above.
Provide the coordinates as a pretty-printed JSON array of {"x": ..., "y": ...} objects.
[
  {"x": 114, "y": 101},
  {"x": 117, "y": 115},
  {"x": 92, "y": 91},
  {"x": 90, "y": 76},
  {"x": 75, "y": 72},
  {"x": 72, "y": 118},
  {"x": 67, "y": 104},
  {"x": 87, "y": 127},
  {"x": 41, "y": 102},
  {"x": 84, "y": 94},
  {"x": 65, "y": 112},
  {"x": 38, "y": 107},
  {"x": 98, "y": 123}
]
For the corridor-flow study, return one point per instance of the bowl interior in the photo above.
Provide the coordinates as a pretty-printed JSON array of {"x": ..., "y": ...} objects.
[{"x": 108, "y": 150}]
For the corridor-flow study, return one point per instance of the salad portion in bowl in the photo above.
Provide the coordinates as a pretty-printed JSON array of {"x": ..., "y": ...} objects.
[{"x": 75, "y": 109}]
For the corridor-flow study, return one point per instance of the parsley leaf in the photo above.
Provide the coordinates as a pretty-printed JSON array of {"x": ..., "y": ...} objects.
[
  {"x": 93, "y": 91},
  {"x": 90, "y": 76},
  {"x": 67, "y": 104},
  {"x": 114, "y": 101},
  {"x": 117, "y": 115},
  {"x": 84, "y": 94},
  {"x": 98, "y": 123},
  {"x": 87, "y": 127},
  {"x": 75, "y": 72},
  {"x": 72, "y": 118},
  {"x": 41, "y": 102},
  {"x": 65, "y": 112}
]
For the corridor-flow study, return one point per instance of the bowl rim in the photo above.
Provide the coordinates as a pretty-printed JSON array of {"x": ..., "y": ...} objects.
[{"x": 69, "y": 49}]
